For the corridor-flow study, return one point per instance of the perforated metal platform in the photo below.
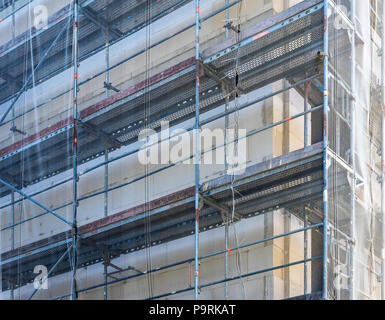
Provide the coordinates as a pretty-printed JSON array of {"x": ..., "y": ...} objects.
[{"x": 287, "y": 48}]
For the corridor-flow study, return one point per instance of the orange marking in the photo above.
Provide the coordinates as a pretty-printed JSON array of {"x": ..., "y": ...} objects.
[{"x": 260, "y": 35}]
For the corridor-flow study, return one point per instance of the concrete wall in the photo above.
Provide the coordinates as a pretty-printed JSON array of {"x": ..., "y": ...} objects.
[{"x": 271, "y": 143}]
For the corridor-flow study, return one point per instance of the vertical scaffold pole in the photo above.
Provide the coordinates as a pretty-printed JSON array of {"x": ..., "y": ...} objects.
[
  {"x": 13, "y": 220},
  {"x": 12, "y": 297},
  {"x": 227, "y": 106},
  {"x": 353, "y": 152},
  {"x": 13, "y": 141},
  {"x": 325, "y": 146},
  {"x": 305, "y": 253},
  {"x": 75, "y": 146},
  {"x": 306, "y": 116},
  {"x": 13, "y": 23},
  {"x": 305, "y": 143},
  {"x": 107, "y": 82},
  {"x": 107, "y": 62},
  {"x": 197, "y": 153},
  {"x": 383, "y": 155}
]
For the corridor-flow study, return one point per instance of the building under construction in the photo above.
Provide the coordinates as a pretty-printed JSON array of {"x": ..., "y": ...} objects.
[{"x": 187, "y": 149}]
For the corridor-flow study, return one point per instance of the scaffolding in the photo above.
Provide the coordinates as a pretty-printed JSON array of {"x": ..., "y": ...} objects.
[{"x": 331, "y": 184}]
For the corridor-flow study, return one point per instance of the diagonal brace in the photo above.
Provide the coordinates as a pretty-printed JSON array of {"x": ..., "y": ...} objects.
[
  {"x": 225, "y": 211},
  {"x": 53, "y": 268},
  {"x": 227, "y": 87},
  {"x": 26, "y": 83},
  {"x": 90, "y": 15},
  {"x": 34, "y": 201},
  {"x": 101, "y": 134}
]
